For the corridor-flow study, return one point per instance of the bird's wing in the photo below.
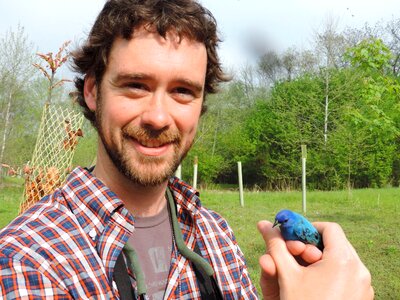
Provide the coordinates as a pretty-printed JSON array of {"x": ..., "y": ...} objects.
[
  {"x": 301, "y": 231},
  {"x": 306, "y": 233}
]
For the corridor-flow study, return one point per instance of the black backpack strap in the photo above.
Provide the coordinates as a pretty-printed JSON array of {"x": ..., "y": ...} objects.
[
  {"x": 208, "y": 285},
  {"x": 121, "y": 278}
]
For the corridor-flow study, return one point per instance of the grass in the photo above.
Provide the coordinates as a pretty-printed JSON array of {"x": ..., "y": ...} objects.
[
  {"x": 369, "y": 217},
  {"x": 11, "y": 190}
]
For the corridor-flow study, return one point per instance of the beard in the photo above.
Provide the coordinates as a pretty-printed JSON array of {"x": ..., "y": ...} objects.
[{"x": 142, "y": 169}]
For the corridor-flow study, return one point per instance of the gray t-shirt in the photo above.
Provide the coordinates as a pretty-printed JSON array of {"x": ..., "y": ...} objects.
[{"x": 152, "y": 241}]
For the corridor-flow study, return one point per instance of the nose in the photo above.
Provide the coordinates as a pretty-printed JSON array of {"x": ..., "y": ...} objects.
[{"x": 156, "y": 114}]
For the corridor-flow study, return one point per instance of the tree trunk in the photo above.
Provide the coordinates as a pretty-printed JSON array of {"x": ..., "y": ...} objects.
[
  {"x": 215, "y": 135},
  {"x": 326, "y": 107},
  {"x": 6, "y": 124}
]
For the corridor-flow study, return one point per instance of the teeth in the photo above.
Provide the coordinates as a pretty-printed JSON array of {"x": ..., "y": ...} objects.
[{"x": 151, "y": 144}]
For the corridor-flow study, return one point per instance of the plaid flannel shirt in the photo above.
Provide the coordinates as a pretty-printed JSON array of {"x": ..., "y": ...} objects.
[{"x": 66, "y": 245}]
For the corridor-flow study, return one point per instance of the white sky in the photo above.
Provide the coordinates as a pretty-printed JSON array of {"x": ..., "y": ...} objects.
[{"x": 284, "y": 23}]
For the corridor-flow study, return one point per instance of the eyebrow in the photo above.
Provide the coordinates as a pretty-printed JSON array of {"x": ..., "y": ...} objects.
[
  {"x": 194, "y": 85},
  {"x": 123, "y": 77}
]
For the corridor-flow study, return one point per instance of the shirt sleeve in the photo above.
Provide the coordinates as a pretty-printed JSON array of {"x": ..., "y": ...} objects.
[
  {"x": 247, "y": 289},
  {"x": 19, "y": 281}
]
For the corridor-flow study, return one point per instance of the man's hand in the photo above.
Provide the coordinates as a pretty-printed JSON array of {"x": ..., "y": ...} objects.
[{"x": 293, "y": 270}]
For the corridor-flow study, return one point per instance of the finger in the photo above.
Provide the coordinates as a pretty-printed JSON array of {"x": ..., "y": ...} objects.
[
  {"x": 311, "y": 254},
  {"x": 284, "y": 261},
  {"x": 331, "y": 231},
  {"x": 308, "y": 253},
  {"x": 295, "y": 247},
  {"x": 335, "y": 241},
  {"x": 371, "y": 293},
  {"x": 269, "y": 280},
  {"x": 267, "y": 265}
]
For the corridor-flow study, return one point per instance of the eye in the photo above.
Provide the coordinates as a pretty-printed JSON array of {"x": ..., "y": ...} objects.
[
  {"x": 183, "y": 94},
  {"x": 135, "y": 89},
  {"x": 183, "y": 90},
  {"x": 136, "y": 85}
]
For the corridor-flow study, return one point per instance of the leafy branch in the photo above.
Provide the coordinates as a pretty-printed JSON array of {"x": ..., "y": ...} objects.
[{"x": 53, "y": 63}]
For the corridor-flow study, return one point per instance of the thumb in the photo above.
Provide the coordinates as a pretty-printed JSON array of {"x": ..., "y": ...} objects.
[
  {"x": 269, "y": 280},
  {"x": 276, "y": 247}
]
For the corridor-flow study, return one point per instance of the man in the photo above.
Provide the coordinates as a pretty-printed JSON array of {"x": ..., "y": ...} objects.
[{"x": 126, "y": 228}]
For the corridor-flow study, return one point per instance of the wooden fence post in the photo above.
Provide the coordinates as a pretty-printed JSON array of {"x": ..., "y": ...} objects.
[
  {"x": 195, "y": 164},
  {"x": 240, "y": 183},
  {"x": 178, "y": 172},
  {"x": 303, "y": 177}
]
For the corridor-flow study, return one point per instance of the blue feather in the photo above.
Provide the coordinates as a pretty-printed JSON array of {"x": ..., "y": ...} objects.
[{"x": 295, "y": 227}]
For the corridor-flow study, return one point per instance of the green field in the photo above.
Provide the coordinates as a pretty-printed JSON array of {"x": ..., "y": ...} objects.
[
  {"x": 370, "y": 218},
  {"x": 11, "y": 191}
]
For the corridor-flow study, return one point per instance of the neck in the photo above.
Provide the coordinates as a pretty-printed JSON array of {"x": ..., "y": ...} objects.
[{"x": 141, "y": 201}]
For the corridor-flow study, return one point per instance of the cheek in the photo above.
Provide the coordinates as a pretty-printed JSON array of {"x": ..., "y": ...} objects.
[
  {"x": 187, "y": 121},
  {"x": 118, "y": 115},
  {"x": 111, "y": 124}
]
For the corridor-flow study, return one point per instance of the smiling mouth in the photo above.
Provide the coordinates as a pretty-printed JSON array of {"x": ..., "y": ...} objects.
[
  {"x": 151, "y": 142},
  {"x": 153, "y": 146},
  {"x": 154, "y": 142}
]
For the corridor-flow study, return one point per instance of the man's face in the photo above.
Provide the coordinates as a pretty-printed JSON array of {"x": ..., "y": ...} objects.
[{"x": 149, "y": 103}]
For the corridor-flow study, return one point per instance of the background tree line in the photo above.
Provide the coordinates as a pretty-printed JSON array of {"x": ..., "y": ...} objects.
[{"x": 340, "y": 97}]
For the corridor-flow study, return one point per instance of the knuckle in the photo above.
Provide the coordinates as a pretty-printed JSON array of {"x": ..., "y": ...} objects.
[
  {"x": 349, "y": 262},
  {"x": 335, "y": 226},
  {"x": 345, "y": 263},
  {"x": 366, "y": 277}
]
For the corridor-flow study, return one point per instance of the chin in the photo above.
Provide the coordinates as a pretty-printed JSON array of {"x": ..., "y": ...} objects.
[{"x": 151, "y": 173}]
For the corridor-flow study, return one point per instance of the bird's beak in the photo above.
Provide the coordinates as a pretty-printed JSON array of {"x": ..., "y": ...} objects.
[{"x": 275, "y": 223}]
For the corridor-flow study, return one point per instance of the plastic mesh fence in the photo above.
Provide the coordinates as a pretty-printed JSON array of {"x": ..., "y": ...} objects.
[{"x": 59, "y": 132}]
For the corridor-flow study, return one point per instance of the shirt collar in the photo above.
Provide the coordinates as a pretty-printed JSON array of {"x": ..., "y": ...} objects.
[
  {"x": 93, "y": 203},
  {"x": 185, "y": 195}
]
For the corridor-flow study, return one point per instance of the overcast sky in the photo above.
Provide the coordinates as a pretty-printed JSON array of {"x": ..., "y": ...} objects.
[{"x": 284, "y": 23}]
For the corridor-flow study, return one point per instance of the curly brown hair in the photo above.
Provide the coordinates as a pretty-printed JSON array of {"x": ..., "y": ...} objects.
[{"x": 119, "y": 18}]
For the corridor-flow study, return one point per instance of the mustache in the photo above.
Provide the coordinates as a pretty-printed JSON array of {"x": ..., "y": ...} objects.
[{"x": 148, "y": 135}]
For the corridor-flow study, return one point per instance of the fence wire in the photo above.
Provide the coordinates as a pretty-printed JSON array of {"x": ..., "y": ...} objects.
[{"x": 59, "y": 133}]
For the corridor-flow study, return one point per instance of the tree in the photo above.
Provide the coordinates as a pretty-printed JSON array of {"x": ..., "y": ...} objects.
[
  {"x": 290, "y": 62},
  {"x": 330, "y": 46},
  {"x": 16, "y": 73},
  {"x": 393, "y": 28},
  {"x": 378, "y": 108},
  {"x": 277, "y": 126},
  {"x": 270, "y": 66}
]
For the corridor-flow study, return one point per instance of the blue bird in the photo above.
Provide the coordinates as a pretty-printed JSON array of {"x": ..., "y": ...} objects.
[{"x": 294, "y": 227}]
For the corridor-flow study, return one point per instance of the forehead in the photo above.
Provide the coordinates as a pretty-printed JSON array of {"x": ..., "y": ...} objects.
[
  {"x": 145, "y": 31},
  {"x": 147, "y": 50}
]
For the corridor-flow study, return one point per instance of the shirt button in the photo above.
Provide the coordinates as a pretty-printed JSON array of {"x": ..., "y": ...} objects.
[{"x": 92, "y": 233}]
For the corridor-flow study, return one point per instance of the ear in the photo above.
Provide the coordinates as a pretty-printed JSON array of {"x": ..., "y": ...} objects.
[{"x": 90, "y": 92}]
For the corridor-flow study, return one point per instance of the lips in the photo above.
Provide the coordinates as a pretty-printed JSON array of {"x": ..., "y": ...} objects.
[
  {"x": 152, "y": 143},
  {"x": 152, "y": 148}
]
